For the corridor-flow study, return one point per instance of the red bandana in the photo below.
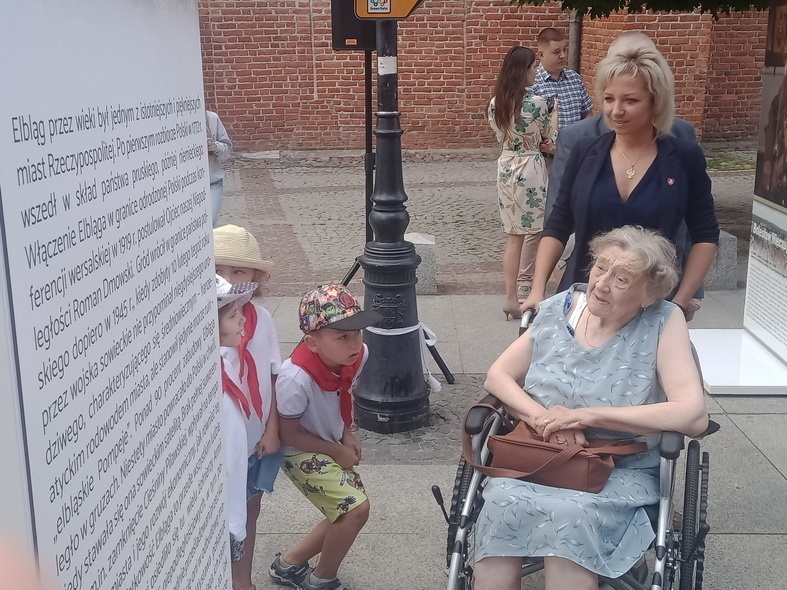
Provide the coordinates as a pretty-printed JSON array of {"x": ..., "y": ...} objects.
[
  {"x": 246, "y": 360},
  {"x": 234, "y": 391},
  {"x": 327, "y": 380}
]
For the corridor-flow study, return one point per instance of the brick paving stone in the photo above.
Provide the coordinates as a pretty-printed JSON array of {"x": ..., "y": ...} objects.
[{"x": 307, "y": 211}]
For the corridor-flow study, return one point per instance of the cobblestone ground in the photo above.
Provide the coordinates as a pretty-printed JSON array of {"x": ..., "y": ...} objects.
[
  {"x": 307, "y": 211},
  {"x": 438, "y": 443},
  {"x": 309, "y": 218}
]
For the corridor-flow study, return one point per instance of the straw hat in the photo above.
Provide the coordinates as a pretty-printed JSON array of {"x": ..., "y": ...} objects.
[{"x": 235, "y": 246}]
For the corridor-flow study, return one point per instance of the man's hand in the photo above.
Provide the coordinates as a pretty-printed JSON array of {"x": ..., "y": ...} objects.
[
  {"x": 212, "y": 147},
  {"x": 268, "y": 444},
  {"x": 547, "y": 146}
]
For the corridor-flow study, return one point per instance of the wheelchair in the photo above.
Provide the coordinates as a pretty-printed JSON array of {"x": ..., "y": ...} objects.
[{"x": 679, "y": 546}]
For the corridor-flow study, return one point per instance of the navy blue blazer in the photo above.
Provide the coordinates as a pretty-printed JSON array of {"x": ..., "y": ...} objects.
[
  {"x": 685, "y": 195},
  {"x": 592, "y": 127}
]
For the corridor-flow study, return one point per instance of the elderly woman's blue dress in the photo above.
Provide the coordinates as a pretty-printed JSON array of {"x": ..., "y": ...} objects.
[{"x": 605, "y": 532}]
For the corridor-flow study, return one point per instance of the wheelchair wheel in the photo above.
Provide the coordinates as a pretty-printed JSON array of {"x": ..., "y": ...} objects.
[
  {"x": 464, "y": 473},
  {"x": 695, "y": 505}
]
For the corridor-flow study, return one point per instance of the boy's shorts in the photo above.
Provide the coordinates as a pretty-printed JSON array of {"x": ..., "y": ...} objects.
[{"x": 333, "y": 490}]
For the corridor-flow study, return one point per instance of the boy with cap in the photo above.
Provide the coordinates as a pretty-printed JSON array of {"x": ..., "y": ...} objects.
[{"x": 315, "y": 415}]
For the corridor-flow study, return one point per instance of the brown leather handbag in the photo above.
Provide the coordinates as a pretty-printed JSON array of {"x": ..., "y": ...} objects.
[{"x": 522, "y": 454}]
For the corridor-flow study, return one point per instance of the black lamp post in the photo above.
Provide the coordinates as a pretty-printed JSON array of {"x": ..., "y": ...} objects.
[{"x": 391, "y": 394}]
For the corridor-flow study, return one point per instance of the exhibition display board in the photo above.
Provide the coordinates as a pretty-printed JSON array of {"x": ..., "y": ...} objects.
[
  {"x": 109, "y": 325},
  {"x": 753, "y": 361}
]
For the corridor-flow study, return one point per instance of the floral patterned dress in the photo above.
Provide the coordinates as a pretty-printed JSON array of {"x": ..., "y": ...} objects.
[{"x": 521, "y": 170}]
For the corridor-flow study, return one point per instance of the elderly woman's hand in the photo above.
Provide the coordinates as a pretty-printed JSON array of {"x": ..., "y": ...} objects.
[
  {"x": 557, "y": 419},
  {"x": 568, "y": 437}
]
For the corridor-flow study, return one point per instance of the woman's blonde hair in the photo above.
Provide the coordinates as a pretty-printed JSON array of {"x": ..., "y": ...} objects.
[
  {"x": 649, "y": 66},
  {"x": 654, "y": 255}
]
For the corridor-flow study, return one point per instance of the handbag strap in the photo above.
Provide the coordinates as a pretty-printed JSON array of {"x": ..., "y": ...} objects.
[
  {"x": 559, "y": 458},
  {"x": 631, "y": 448}
]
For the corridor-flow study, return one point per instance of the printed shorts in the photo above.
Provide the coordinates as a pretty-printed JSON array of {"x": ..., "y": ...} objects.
[{"x": 333, "y": 490}]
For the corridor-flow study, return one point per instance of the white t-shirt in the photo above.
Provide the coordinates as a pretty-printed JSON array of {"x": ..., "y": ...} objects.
[
  {"x": 236, "y": 464},
  {"x": 264, "y": 349},
  {"x": 240, "y": 434},
  {"x": 298, "y": 396}
]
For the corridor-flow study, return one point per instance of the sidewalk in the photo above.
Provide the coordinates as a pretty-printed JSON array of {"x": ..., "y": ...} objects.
[{"x": 296, "y": 210}]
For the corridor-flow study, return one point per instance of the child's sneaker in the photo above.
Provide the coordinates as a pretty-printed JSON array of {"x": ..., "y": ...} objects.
[
  {"x": 291, "y": 575},
  {"x": 334, "y": 584}
]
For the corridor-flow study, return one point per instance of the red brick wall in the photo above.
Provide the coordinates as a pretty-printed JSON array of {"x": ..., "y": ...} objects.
[
  {"x": 683, "y": 39},
  {"x": 272, "y": 75},
  {"x": 737, "y": 49}
]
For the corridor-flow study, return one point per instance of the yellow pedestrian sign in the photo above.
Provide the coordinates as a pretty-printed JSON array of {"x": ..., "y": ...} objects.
[{"x": 385, "y": 9}]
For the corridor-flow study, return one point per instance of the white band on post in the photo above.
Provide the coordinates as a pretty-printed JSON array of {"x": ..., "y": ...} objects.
[{"x": 426, "y": 336}]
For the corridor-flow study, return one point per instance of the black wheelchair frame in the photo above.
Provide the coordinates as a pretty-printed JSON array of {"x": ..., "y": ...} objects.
[{"x": 679, "y": 547}]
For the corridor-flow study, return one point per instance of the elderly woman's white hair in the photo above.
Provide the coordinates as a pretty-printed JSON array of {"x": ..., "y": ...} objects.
[
  {"x": 649, "y": 66},
  {"x": 654, "y": 255}
]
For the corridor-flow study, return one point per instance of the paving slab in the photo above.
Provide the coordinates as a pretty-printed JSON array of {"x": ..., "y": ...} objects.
[
  {"x": 766, "y": 432},
  {"x": 740, "y": 562},
  {"x": 747, "y": 491},
  {"x": 761, "y": 404}
]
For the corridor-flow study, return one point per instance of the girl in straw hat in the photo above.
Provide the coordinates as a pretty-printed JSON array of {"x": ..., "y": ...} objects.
[{"x": 256, "y": 362}]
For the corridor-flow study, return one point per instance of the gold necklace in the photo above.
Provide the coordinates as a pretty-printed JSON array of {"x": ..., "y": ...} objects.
[
  {"x": 630, "y": 172},
  {"x": 587, "y": 321}
]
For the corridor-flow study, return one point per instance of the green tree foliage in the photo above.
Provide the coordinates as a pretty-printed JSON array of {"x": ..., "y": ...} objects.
[{"x": 601, "y": 8}]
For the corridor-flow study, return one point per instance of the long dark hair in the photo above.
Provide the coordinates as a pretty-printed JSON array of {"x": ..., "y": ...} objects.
[{"x": 510, "y": 86}]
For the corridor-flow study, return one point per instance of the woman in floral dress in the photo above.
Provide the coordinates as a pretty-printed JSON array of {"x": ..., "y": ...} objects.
[{"x": 521, "y": 123}]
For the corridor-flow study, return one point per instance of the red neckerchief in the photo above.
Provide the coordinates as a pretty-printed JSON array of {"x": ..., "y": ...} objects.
[
  {"x": 327, "y": 380},
  {"x": 234, "y": 391},
  {"x": 246, "y": 360}
]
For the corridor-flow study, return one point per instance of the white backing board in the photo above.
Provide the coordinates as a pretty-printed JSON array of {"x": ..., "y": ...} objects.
[
  {"x": 112, "y": 318},
  {"x": 735, "y": 363}
]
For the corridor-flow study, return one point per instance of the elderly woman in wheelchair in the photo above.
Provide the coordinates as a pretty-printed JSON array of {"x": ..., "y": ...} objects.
[{"x": 610, "y": 359}]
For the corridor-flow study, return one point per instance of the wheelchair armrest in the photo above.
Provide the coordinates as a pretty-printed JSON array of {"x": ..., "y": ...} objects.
[
  {"x": 671, "y": 444},
  {"x": 476, "y": 417}
]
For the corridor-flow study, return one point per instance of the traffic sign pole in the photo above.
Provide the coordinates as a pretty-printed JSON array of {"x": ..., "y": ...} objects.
[{"x": 391, "y": 394}]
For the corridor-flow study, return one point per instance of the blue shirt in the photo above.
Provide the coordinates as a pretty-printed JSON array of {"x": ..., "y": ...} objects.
[{"x": 573, "y": 98}]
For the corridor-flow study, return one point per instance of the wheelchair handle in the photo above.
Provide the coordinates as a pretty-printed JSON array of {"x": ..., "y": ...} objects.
[{"x": 527, "y": 317}]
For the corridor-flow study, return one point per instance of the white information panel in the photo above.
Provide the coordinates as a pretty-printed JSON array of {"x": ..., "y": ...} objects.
[
  {"x": 107, "y": 243},
  {"x": 765, "y": 314}
]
